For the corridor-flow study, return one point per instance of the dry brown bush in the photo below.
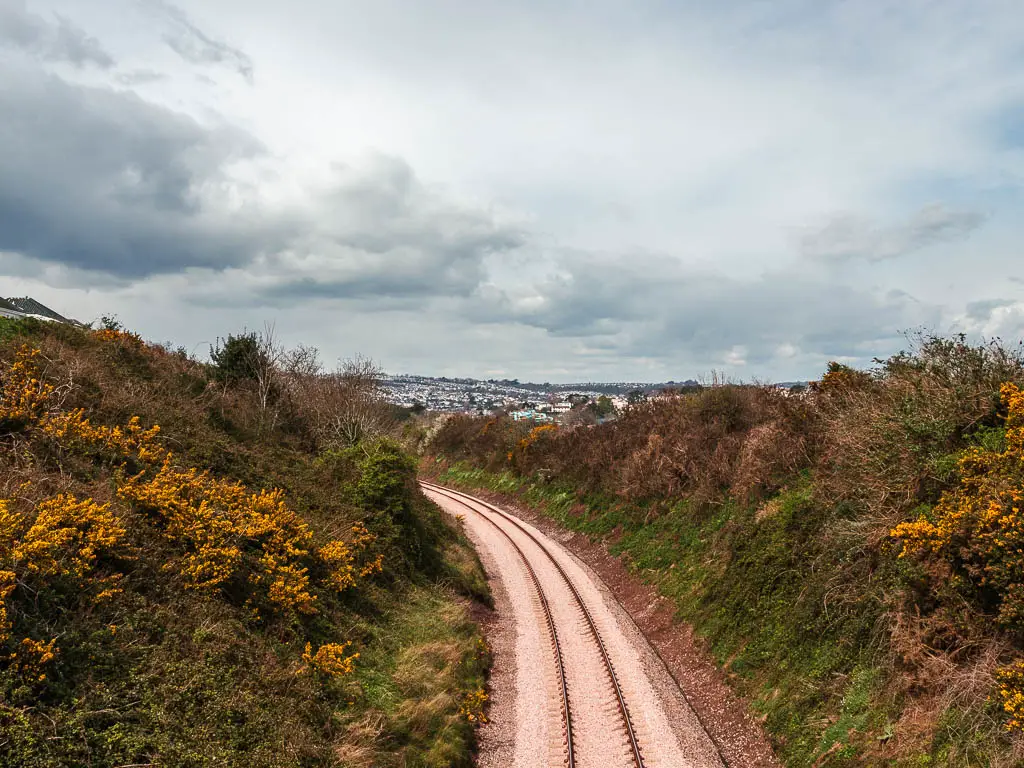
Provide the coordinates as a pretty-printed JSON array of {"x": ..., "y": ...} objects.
[
  {"x": 340, "y": 408},
  {"x": 889, "y": 440},
  {"x": 742, "y": 439}
]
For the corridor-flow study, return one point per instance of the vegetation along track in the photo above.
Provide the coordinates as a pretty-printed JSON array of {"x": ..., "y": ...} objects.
[{"x": 582, "y": 693}]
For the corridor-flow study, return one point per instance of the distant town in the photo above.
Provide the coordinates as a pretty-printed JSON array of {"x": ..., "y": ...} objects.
[
  {"x": 592, "y": 401},
  {"x": 525, "y": 400},
  {"x": 520, "y": 399}
]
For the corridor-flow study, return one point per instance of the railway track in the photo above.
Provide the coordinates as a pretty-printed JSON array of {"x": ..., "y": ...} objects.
[{"x": 472, "y": 504}]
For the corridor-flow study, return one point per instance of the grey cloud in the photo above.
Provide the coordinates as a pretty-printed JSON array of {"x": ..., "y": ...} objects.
[
  {"x": 846, "y": 236},
  {"x": 994, "y": 318},
  {"x": 140, "y": 77},
  {"x": 194, "y": 45},
  {"x": 106, "y": 183},
  {"x": 380, "y": 232},
  {"x": 654, "y": 307},
  {"x": 59, "y": 40},
  {"x": 55, "y": 275},
  {"x": 103, "y": 181},
  {"x": 982, "y": 311}
]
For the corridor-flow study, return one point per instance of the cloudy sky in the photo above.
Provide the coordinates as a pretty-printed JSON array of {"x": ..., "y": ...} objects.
[{"x": 552, "y": 191}]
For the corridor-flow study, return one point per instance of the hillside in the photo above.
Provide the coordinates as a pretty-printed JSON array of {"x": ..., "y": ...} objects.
[
  {"x": 224, "y": 564},
  {"x": 851, "y": 555}
]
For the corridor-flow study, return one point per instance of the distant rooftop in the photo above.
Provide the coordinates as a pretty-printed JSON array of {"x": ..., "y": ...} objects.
[{"x": 26, "y": 306}]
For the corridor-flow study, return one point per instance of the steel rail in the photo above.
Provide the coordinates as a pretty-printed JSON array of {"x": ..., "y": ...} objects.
[
  {"x": 552, "y": 631},
  {"x": 623, "y": 709}
]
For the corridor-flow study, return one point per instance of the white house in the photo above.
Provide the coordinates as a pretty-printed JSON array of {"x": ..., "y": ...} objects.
[
  {"x": 28, "y": 307},
  {"x": 9, "y": 310}
]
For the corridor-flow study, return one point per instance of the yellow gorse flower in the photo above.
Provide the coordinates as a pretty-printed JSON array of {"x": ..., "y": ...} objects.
[
  {"x": 73, "y": 429},
  {"x": 220, "y": 522},
  {"x": 342, "y": 558},
  {"x": 32, "y": 656},
  {"x": 7, "y": 581},
  {"x": 1011, "y": 690},
  {"x": 330, "y": 659},
  {"x": 978, "y": 528},
  {"x": 535, "y": 434},
  {"x": 472, "y": 707},
  {"x": 115, "y": 335},
  {"x": 341, "y": 564},
  {"x": 225, "y": 531},
  {"x": 24, "y": 395},
  {"x": 66, "y": 537}
]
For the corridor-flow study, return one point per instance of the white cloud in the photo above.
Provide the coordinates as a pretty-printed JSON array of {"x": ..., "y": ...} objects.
[
  {"x": 847, "y": 236},
  {"x": 193, "y": 44},
  {"x": 54, "y": 39},
  {"x": 591, "y": 191}
]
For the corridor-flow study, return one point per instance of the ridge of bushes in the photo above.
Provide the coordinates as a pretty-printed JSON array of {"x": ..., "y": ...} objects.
[{"x": 851, "y": 552}]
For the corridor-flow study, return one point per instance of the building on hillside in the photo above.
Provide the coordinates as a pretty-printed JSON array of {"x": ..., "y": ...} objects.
[
  {"x": 9, "y": 310},
  {"x": 530, "y": 415},
  {"x": 25, "y": 306},
  {"x": 34, "y": 308}
]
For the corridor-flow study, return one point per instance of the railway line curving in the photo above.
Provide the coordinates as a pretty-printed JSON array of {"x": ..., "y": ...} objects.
[{"x": 598, "y": 727}]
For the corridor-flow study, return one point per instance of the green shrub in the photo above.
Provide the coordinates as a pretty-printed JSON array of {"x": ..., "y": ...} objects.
[{"x": 239, "y": 358}]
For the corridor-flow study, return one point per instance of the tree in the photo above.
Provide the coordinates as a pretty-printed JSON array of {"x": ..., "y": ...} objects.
[
  {"x": 303, "y": 361},
  {"x": 349, "y": 406},
  {"x": 256, "y": 357},
  {"x": 238, "y": 358},
  {"x": 111, "y": 323},
  {"x": 635, "y": 397},
  {"x": 602, "y": 407}
]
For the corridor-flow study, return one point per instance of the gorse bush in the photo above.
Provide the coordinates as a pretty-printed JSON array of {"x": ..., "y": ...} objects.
[
  {"x": 24, "y": 396},
  {"x": 61, "y": 538},
  {"x": 330, "y": 659},
  {"x": 229, "y": 536},
  {"x": 518, "y": 455},
  {"x": 977, "y": 529},
  {"x": 891, "y": 443},
  {"x": 188, "y": 578},
  {"x": 228, "y": 531},
  {"x": 57, "y": 544}
]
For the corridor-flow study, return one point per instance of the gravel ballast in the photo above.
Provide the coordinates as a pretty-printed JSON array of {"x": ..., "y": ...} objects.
[{"x": 526, "y": 728}]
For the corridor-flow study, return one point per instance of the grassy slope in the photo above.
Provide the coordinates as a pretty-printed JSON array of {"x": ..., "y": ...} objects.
[
  {"x": 160, "y": 674},
  {"x": 800, "y": 631}
]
